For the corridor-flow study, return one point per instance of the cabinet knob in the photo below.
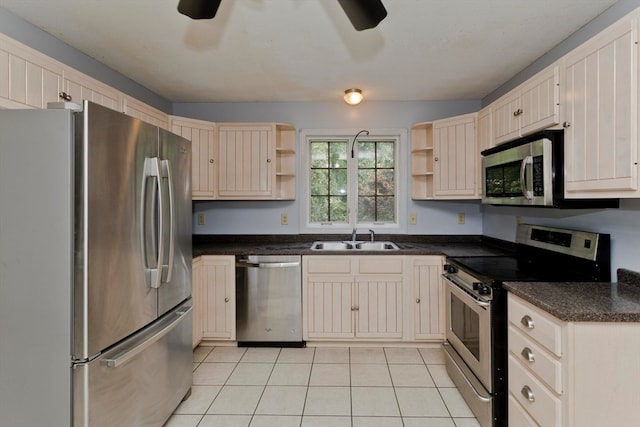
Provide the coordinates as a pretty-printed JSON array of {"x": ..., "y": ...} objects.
[
  {"x": 527, "y": 321},
  {"x": 268, "y": 160},
  {"x": 210, "y": 160},
  {"x": 528, "y": 355},
  {"x": 528, "y": 393},
  {"x": 65, "y": 96},
  {"x": 418, "y": 300},
  {"x": 435, "y": 159},
  {"x": 517, "y": 112},
  {"x": 566, "y": 124},
  {"x": 226, "y": 299},
  {"x": 355, "y": 308}
]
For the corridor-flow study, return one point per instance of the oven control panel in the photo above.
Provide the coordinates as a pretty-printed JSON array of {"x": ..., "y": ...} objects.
[{"x": 468, "y": 283}]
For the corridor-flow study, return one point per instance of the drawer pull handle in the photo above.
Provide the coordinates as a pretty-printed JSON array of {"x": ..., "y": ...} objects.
[
  {"x": 527, "y": 322},
  {"x": 528, "y": 394},
  {"x": 528, "y": 355}
]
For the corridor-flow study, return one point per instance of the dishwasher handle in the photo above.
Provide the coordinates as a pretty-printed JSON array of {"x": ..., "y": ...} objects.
[{"x": 250, "y": 264}]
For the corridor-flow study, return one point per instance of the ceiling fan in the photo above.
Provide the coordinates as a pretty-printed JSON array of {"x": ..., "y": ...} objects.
[{"x": 363, "y": 14}]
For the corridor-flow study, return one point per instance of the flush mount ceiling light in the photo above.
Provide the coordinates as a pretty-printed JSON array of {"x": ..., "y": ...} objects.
[{"x": 353, "y": 96}]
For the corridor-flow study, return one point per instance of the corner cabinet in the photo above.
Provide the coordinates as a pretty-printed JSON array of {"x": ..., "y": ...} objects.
[
  {"x": 601, "y": 111},
  {"x": 203, "y": 139},
  {"x": 570, "y": 374},
  {"x": 455, "y": 158},
  {"x": 256, "y": 161}
]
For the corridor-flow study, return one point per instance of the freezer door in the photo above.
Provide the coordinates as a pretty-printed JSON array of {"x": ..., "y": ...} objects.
[
  {"x": 112, "y": 297},
  {"x": 175, "y": 157},
  {"x": 140, "y": 381}
]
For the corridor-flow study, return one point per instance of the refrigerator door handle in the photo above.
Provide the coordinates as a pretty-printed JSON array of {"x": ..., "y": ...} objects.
[
  {"x": 163, "y": 329},
  {"x": 166, "y": 171},
  {"x": 152, "y": 169}
]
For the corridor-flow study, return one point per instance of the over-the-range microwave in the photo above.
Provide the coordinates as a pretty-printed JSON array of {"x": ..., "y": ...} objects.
[{"x": 529, "y": 171}]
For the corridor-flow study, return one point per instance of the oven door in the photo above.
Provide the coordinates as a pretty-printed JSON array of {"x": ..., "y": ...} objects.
[{"x": 468, "y": 330}]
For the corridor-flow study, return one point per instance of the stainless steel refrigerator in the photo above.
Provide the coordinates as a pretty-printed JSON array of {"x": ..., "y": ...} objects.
[{"x": 95, "y": 269}]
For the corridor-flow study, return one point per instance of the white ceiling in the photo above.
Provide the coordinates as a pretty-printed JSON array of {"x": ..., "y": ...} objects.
[{"x": 307, "y": 50}]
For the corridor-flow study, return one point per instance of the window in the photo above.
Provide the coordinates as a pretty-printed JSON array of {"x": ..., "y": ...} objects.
[{"x": 340, "y": 191}]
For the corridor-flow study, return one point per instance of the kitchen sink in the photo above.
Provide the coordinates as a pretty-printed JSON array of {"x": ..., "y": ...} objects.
[{"x": 353, "y": 246}]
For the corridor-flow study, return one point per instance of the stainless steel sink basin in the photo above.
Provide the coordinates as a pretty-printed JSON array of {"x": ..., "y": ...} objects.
[
  {"x": 354, "y": 246},
  {"x": 377, "y": 246}
]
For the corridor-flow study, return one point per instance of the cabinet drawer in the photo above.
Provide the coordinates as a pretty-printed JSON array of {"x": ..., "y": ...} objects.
[
  {"x": 518, "y": 417},
  {"x": 328, "y": 264},
  {"x": 380, "y": 264},
  {"x": 545, "y": 408},
  {"x": 535, "y": 323},
  {"x": 542, "y": 363}
]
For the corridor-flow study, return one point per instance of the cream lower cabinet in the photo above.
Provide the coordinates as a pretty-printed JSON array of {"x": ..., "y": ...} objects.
[
  {"x": 352, "y": 297},
  {"x": 217, "y": 305},
  {"x": 601, "y": 113},
  {"x": 198, "y": 302},
  {"x": 427, "y": 298},
  {"x": 571, "y": 374}
]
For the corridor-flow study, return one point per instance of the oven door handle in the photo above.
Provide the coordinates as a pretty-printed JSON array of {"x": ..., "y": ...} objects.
[
  {"x": 528, "y": 194},
  {"x": 455, "y": 283}
]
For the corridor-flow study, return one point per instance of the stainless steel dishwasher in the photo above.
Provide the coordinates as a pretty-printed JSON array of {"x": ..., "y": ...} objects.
[{"x": 269, "y": 300}]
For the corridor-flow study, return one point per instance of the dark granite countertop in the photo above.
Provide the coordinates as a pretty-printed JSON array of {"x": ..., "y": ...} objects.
[
  {"x": 457, "y": 245},
  {"x": 584, "y": 301}
]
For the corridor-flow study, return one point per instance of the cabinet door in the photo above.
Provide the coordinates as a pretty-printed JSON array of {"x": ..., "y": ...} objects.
[
  {"x": 378, "y": 306},
  {"x": 601, "y": 146},
  {"x": 329, "y": 307},
  {"x": 485, "y": 140},
  {"x": 27, "y": 78},
  {"x": 456, "y": 157},
  {"x": 428, "y": 293},
  {"x": 79, "y": 87},
  {"x": 246, "y": 154},
  {"x": 203, "y": 149},
  {"x": 540, "y": 101},
  {"x": 144, "y": 112},
  {"x": 507, "y": 112},
  {"x": 219, "y": 296},
  {"x": 197, "y": 293}
]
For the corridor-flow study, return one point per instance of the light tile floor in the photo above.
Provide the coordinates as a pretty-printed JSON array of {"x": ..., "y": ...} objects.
[{"x": 321, "y": 387}]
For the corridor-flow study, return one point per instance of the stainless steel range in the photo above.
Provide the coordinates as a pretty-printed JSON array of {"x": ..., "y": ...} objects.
[{"x": 476, "y": 306}]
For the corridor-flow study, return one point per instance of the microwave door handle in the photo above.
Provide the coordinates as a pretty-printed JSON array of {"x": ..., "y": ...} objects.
[{"x": 526, "y": 192}]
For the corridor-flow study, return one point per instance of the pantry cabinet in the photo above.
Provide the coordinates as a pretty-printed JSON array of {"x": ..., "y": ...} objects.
[
  {"x": 427, "y": 298},
  {"x": 358, "y": 297},
  {"x": 256, "y": 161},
  {"x": 203, "y": 139},
  {"x": 570, "y": 374},
  {"x": 455, "y": 160},
  {"x": 532, "y": 106},
  {"x": 218, "y": 296},
  {"x": 601, "y": 129}
]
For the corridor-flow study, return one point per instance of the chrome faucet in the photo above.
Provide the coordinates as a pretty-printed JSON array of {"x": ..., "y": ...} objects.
[
  {"x": 353, "y": 234},
  {"x": 373, "y": 235}
]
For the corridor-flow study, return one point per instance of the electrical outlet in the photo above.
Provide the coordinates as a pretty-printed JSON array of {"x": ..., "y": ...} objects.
[
  {"x": 202, "y": 220},
  {"x": 284, "y": 219},
  {"x": 413, "y": 219},
  {"x": 461, "y": 218}
]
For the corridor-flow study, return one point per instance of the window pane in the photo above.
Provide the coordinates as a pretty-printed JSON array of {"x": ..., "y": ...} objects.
[
  {"x": 338, "y": 209},
  {"x": 386, "y": 209},
  {"x": 319, "y": 154},
  {"x": 366, "y": 209},
  {"x": 338, "y": 182},
  {"x": 366, "y": 182},
  {"x": 366, "y": 154},
  {"x": 319, "y": 182},
  {"x": 338, "y": 154},
  {"x": 319, "y": 209},
  {"x": 385, "y": 155},
  {"x": 385, "y": 182}
]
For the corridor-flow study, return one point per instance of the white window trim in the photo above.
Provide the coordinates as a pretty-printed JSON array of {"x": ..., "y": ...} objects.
[{"x": 402, "y": 166}]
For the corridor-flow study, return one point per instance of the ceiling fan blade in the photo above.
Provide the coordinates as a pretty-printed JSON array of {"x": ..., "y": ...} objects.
[
  {"x": 199, "y": 9},
  {"x": 364, "y": 14}
]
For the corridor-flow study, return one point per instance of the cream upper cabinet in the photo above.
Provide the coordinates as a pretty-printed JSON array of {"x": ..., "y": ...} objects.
[
  {"x": 532, "y": 106},
  {"x": 27, "y": 78},
  {"x": 427, "y": 298},
  {"x": 570, "y": 374},
  {"x": 485, "y": 140},
  {"x": 601, "y": 113},
  {"x": 256, "y": 161},
  {"x": 134, "y": 108},
  {"x": 203, "y": 137},
  {"x": 219, "y": 297},
  {"x": 359, "y": 297},
  {"x": 422, "y": 161},
  {"x": 455, "y": 159},
  {"x": 77, "y": 87}
]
